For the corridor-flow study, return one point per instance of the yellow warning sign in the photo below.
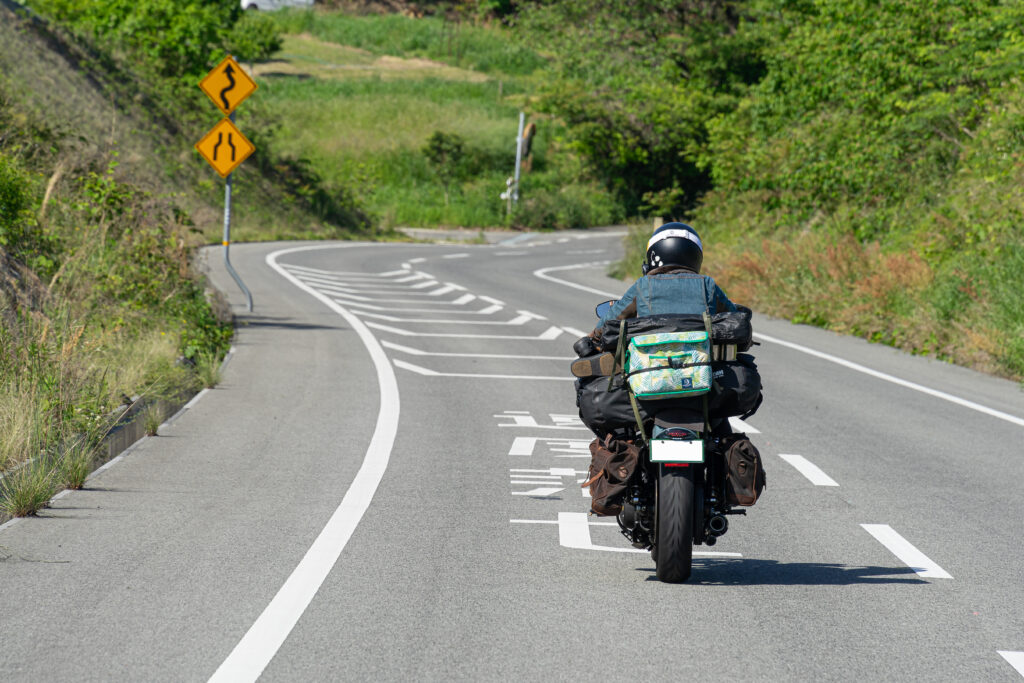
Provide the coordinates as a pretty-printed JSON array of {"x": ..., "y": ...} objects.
[
  {"x": 227, "y": 85},
  {"x": 225, "y": 147}
]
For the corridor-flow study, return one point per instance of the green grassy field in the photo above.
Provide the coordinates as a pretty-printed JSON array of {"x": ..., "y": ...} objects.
[{"x": 358, "y": 98}]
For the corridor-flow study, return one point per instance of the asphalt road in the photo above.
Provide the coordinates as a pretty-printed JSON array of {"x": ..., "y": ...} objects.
[{"x": 385, "y": 487}]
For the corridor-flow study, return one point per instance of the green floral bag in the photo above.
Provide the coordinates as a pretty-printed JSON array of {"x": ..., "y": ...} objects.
[{"x": 669, "y": 364}]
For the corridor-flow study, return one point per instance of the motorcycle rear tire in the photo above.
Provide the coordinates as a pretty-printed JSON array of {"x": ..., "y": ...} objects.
[{"x": 674, "y": 524}]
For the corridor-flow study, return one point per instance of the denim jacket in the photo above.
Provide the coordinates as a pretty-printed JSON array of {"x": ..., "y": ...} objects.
[{"x": 670, "y": 290}]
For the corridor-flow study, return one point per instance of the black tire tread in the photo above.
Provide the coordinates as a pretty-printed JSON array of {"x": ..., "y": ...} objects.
[{"x": 675, "y": 524}]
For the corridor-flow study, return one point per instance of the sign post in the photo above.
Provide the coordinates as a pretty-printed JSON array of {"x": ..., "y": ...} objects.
[{"x": 224, "y": 147}]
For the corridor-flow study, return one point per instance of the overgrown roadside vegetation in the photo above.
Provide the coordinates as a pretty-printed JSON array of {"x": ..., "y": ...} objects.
[
  {"x": 852, "y": 164},
  {"x": 102, "y": 203}
]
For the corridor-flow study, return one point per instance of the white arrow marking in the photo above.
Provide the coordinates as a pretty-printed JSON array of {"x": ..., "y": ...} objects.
[
  {"x": 550, "y": 334},
  {"x": 574, "y": 332},
  {"x": 539, "y": 492},
  {"x": 905, "y": 552},
  {"x": 433, "y": 373}
]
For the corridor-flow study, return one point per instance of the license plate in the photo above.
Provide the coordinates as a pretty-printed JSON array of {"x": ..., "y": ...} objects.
[{"x": 677, "y": 451}]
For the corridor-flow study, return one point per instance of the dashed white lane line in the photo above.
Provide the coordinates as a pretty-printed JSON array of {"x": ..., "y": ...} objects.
[
  {"x": 427, "y": 372},
  {"x": 807, "y": 468},
  {"x": 739, "y": 425},
  {"x": 905, "y": 552},
  {"x": 455, "y": 256},
  {"x": 264, "y": 638},
  {"x": 421, "y": 259},
  {"x": 421, "y": 352},
  {"x": 1015, "y": 659}
]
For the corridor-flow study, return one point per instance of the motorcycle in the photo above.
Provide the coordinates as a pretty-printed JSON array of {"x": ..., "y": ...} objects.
[{"x": 679, "y": 495}]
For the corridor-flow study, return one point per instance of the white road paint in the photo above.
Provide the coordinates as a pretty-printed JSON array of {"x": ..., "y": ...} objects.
[
  {"x": 551, "y": 471},
  {"x": 263, "y": 639},
  {"x": 1015, "y": 659},
  {"x": 461, "y": 301},
  {"x": 559, "y": 421},
  {"x": 521, "y": 319},
  {"x": 574, "y": 332},
  {"x": 905, "y": 552},
  {"x": 455, "y": 256},
  {"x": 487, "y": 310},
  {"x": 1013, "y": 419},
  {"x": 510, "y": 253},
  {"x": 421, "y": 259},
  {"x": 421, "y": 352},
  {"x": 539, "y": 492},
  {"x": 542, "y": 273},
  {"x": 807, "y": 468},
  {"x": 526, "y": 445},
  {"x": 550, "y": 334},
  {"x": 739, "y": 425},
  {"x": 427, "y": 372},
  {"x": 574, "y": 532}
]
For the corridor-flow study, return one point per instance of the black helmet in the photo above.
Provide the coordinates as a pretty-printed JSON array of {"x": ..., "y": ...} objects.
[{"x": 674, "y": 244}]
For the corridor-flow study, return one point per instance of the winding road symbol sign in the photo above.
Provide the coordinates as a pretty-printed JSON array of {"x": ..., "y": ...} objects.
[
  {"x": 225, "y": 147},
  {"x": 227, "y": 85}
]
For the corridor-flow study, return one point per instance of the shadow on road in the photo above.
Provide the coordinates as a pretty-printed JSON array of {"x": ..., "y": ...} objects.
[
  {"x": 741, "y": 572},
  {"x": 282, "y": 323}
]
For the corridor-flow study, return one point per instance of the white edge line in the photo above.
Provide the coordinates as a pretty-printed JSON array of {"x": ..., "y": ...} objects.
[
  {"x": 543, "y": 274},
  {"x": 807, "y": 468},
  {"x": 896, "y": 380},
  {"x": 263, "y": 639},
  {"x": 1015, "y": 659},
  {"x": 905, "y": 552}
]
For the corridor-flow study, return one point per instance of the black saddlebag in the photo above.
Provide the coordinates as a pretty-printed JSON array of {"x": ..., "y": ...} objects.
[
  {"x": 736, "y": 388},
  {"x": 605, "y": 411}
]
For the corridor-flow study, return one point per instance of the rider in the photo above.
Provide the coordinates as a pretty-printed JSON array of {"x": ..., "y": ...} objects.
[{"x": 672, "y": 283}]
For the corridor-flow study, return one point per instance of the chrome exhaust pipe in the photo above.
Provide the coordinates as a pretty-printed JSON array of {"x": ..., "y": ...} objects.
[{"x": 717, "y": 525}]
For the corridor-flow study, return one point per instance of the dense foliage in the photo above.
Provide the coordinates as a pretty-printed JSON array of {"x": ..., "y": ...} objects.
[
  {"x": 177, "y": 38},
  {"x": 864, "y": 177}
]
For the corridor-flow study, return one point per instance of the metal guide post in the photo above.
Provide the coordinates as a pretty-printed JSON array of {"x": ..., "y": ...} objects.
[
  {"x": 519, "y": 158},
  {"x": 227, "y": 237}
]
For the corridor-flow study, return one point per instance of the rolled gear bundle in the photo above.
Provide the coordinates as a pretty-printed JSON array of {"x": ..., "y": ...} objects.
[
  {"x": 737, "y": 388},
  {"x": 726, "y": 328}
]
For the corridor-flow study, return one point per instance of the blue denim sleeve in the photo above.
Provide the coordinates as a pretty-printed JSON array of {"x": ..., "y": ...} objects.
[
  {"x": 620, "y": 305},
  {"x": 719, "y": 300}
]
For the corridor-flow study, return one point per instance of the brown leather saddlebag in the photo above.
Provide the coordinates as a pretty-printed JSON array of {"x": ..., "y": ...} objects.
[
  {"x": 744, "y": 473},
  {"x": 612, "y": 466}
]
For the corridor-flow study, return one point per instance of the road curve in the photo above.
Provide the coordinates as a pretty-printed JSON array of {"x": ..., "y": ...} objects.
[{"x": 295, "y": 524}]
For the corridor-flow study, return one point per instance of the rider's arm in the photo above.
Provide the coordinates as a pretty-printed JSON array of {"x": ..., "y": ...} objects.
[
  {"x": 720, "y": 303},
  {"x": 620, "y": 310}
]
